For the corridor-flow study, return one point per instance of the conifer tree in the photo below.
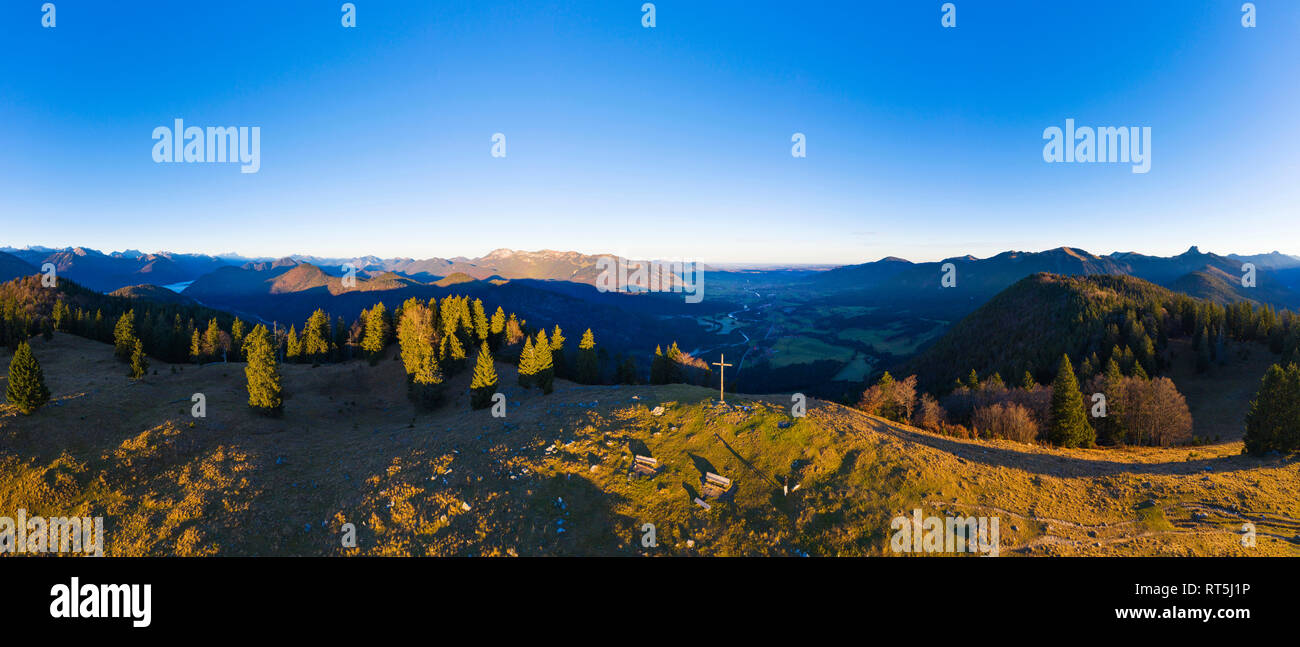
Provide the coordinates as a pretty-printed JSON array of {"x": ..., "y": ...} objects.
[
  {"x": 426, "y": 382},
  {"x": 485, "y": 380},
  {"x": 557, "y": 353},
  {"x": 497, "y": 330},
  {"x": 415, "y": 334},
  {"x": 26, "y": 389},
  {"x": 293, "y": 347},
  {"x": 237, "y": 337},
  {"x": 316, "y": 337},
  {"x": 139, "y": 362},
  {"x": 480, "y": 320},
  {"x": 1273, "y": 422},
  {"x": 973, "y": 380},
  {"x": 376, "y": 336},
  {"x": 544, "y": 366},
  {"x": 527, "y": 364},
  {"x": 196, "y": 345},
  {"x": 626, "y": 371},
  {"x": 659, "y": 367},
  {"x": 124, "y": 336},
  {"x": 1027, "y": 382},
  {"x": 673, "y": 365},
  {"x": 262, "y": 373},
  {"x": 212, "y": 339},
  {"x": 1068, "y": 426},
  {"x": 588, "y": 367}
]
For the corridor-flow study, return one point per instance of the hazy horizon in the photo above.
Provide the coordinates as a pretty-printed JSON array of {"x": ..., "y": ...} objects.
[{"x": 736, "y": 264}]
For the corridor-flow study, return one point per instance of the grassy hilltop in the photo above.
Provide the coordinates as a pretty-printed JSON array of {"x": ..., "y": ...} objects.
[{"x": 552, "y": 478}]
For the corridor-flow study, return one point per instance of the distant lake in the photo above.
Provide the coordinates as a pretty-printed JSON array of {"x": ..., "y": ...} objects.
[{"x": 177, "y": 287}]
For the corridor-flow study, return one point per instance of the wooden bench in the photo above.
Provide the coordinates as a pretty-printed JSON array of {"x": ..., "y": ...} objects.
[
  {"x": 645, "y": 465},
  {"x": 715, "y": 485}
]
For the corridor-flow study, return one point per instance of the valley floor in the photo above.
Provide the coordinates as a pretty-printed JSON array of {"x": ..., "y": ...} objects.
[{"x": 553, "y": 476}]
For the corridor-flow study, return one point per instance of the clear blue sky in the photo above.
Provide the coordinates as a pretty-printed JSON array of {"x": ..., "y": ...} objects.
[{"x": 923, "y": 142}]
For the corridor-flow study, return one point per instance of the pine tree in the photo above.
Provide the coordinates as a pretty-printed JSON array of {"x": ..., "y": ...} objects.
[
  {"x": 316, "y": 337},
  {"x": 485, "y": 380},
  {"x": 1069, "y": 422},
  {"x": 237, "y": 337},
  {"x": 973, "y": 380},
  {"x": 124, "y": 336},
  {"x": 1273, "y": 422},
  {"x": 212, "y": 339},
  {"x": 293, "y": 347},
  {"x": 426, "y": 384},
  {"x": 196, "y": 345},
  {"x": 25, "y": 389},
  {"x": 1027, "y": 382},
  {"x": 262, "y": 373},
  {"x": 626, "y": 373},
  {"x": 497, "y": 330},
  {"x": 527, "y": 364},
  {"x": 139, "y": 363},
  {"x": 659, "y": 367},
  {"x": 415, "y": 334},
  {"x": 673, "y": 365},
  {"x": 588, "y": 368},
  {"x": 480, "y": 320},
  {"x": 545, "y": 367},
  {"x": 376, "y": 337},
  {"x": 557, "y": 353}
]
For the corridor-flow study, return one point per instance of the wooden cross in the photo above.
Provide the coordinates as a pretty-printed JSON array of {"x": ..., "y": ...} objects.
[{"x": 722, "y": 377}]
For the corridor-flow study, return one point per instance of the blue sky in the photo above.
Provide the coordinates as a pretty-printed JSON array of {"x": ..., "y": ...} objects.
[{"x": 671, "y": 142}]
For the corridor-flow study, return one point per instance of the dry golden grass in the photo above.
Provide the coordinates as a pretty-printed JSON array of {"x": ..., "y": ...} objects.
[{"x": 552, "y": 478}]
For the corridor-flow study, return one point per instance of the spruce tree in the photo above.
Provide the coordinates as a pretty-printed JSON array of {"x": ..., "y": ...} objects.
[
  {"x": 544, "y": 366},
  {"x": 627, "y": 371},
  {"x": 262, "y": 373},
  {"x": 673, "y": 365},
  {"x": 426, "y": 384},
  {"x": 1027, "y": 382},
  {"x": 497, "y": 330},
  {"x": 376, "y": 337},
  {"x": 139, "y": 362},
  {"x": 316, "y": 337},
  {"x": 414, "y": 334},
  {"x": 1069, "y": 422},
  {"x": 1273, "y": 422},
  {"x": 659, "y": 367},
  {"x": 527, "y": 364},
  {"x": 588, "y": 368},
  {"x": 480, "y": 320},
  {"x": 485, "y": 380},
  {"x": 196, "y": 345},
  {"x": 212, "y": 339},
  {"x": 557, "y": 353},
  {"x": 124, "y": 336},
  {"x": 25, "y": 389},
  {"x": 293, "y": 347},
  {"x": 237, "y": 337}
]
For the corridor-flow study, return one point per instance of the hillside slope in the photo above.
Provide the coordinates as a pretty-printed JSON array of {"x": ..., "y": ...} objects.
[
  {"x": 1034, "y": 322},
  {"x": 552, "y": 478}
]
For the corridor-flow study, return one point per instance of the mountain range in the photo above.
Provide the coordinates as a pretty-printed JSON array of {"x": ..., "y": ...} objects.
[{"x": 1196, "y": 273}]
